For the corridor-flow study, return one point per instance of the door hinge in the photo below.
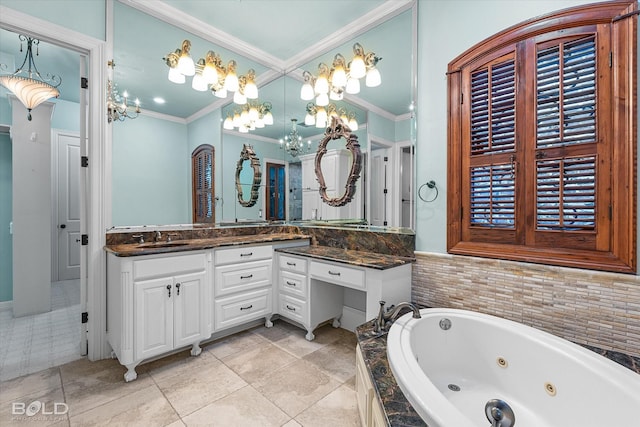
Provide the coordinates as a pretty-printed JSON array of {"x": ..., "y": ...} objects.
[
  {"x": 85, "y": 239},
  {"x": 384, "y": 191},
  {"x": 84, "y": 83},
  {"x": 384, "y": 223},
  {"x": 386, "y": 159},
  {"x": 84, "y": 161},
  {"x": 85, "y": 317},
  {"x": 610, "y": 59}
]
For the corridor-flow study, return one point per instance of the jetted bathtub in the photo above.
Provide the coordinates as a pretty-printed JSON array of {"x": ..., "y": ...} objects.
[{"x": 458, "y": 368}]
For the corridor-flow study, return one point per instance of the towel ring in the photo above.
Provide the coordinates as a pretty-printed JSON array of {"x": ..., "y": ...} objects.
[{"x": 431, "y": 184}]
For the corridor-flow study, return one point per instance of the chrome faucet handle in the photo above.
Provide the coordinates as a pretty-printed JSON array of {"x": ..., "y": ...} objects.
[
  {"x": 170, "y": 235},
  {"x": 138, "y": 236},
  {"x": 158, "y": 235}
]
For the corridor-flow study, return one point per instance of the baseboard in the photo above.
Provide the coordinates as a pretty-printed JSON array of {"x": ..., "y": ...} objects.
[
  {"x": 6, "y": 305},
  {"x": 351, "y": 318}
]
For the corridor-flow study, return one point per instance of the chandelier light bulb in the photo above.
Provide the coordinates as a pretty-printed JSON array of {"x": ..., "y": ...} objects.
[
  {"x": 373, "y": 78},
  {"x": 322, "y": 100},
  {"x": 353, "y": 86},
  {"x": 176, "y": 76},
  {"x": 307, "y": 93}
]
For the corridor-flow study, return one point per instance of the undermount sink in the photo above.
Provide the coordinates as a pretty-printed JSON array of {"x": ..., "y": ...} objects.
[{"x": 162, "y": 244}]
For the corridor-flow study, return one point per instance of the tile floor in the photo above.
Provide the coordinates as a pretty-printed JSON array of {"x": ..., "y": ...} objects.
[
  {"x": 32, "y": 343},
  {"x": 261, "y": 377}
]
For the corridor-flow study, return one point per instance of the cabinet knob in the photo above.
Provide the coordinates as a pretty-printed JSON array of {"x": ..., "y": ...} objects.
[
  {"x": 169, "y": 290},
  {"x": 178, "y": 288}
]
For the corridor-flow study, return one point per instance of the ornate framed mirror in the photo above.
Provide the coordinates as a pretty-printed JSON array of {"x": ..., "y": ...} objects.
[
  {"x": 248, "y": 159},
  {"x": 336, "y": 130}
]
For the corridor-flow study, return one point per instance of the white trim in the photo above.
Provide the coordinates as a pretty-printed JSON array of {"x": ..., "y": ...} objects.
[
  {"x": 162, "y": 116},
  {"x": 250, "y": 136},
  {"x": 99, "y": 173}
]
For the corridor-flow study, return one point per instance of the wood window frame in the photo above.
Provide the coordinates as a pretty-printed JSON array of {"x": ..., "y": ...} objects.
[
  {"x": 204, "y": 149},
  {"x": 614, "y": 246}
]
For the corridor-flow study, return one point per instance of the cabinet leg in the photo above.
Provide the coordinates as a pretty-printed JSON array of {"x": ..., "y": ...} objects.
[
  {"x": 310, "y": 336},
  {"x": 195, "y": 349},
  {"x": 267, "y": 322},
  {"x": 131, "y": 374},
  {"x": 336, "y": 322}
]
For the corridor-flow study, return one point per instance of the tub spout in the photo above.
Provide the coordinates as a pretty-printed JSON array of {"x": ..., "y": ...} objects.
[{"x": 390, "y": 314}]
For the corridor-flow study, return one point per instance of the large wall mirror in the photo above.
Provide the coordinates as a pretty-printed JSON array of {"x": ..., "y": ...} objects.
[{"x": 151, "y": 173}]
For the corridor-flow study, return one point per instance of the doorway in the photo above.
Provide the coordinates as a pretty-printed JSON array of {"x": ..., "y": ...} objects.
[
  {"x": 276, "y": 192},
  {"x": 406, "y": 187}
]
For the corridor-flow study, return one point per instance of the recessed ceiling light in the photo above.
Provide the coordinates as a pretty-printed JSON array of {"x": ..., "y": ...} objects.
[{"x": 158, "y": 100}]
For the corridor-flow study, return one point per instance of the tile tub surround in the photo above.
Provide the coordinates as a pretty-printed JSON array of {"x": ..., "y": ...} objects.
[
  {"x": 587, "y": 307},
  {"x": 399, "y": 242},
  {"x": 398, "y": 410}
]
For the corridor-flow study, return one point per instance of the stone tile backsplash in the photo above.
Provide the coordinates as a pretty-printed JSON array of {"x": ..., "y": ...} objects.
[{"x": 583, "y": 306}]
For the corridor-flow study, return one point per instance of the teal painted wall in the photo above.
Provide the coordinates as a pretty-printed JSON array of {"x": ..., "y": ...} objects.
[
  {"x": 86, "y": 16},
  {"x": 151, "y": 182},
  {"x": 381, "y": 127},
  {"x": 6, "y": 251}
]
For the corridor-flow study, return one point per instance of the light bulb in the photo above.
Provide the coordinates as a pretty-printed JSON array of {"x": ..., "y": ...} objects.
[
  {"x": 220, "y": 93},
  {"x": 357, "y": 69},
  {"x": 228, "y": 123},
  {"x": 253, "y": 114},
  {"x": 322, "y": 85},
  {"x": 186, "y": 65},
  {"x": 339, "y": 77},
  {"x": 231, "y": 82},
  {"x": 321, "y": 118},
  {"x": 198, "y": 83},
  {"x": 322, "y": 100},
  {"x": 239, "y": 98},
  {"x": 373, "y": 78},
  {"x": 176, "y": 76},
  {"x": 268, "y": 118},
  {"x": 209, "y": 74},
  {"x": 306, "y": 92},
  {"x": 353, "y": 125},
  {"x": 309, "y": 119},
  {"x": 251, "y": 90},
  {"x": 236, "y": 120},
  {"x": 353, "y": 86},
  {"x": 244, "y": 118}
]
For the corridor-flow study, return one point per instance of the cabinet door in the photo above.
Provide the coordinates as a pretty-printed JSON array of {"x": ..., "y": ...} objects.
[
  {"x": 153, "y": 317},
  {"x": 190, "y": 309}
]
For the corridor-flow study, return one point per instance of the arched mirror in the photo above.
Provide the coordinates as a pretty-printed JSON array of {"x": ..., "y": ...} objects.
[
  {"x": 336, "y": 131},
  {"x": 248, "y": 176}
]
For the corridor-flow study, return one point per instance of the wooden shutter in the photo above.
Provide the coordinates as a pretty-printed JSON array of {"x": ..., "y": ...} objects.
[{"x": 203, "y": 200}]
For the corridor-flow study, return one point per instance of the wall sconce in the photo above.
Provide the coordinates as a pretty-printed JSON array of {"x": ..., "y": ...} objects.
[
  {"x": 118, "y": 106},
  {"x": 332, "y": 83},
  {"x": 320, "y": 116},
  {"x": 28, "y": 85},
  {"x": 253, "y": 115},
  {"x": 209, "y": 73}
]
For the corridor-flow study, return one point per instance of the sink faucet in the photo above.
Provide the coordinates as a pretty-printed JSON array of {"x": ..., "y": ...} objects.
[
  {"x": 157, "y": 236},
  {"x": 390, "y": 314}
]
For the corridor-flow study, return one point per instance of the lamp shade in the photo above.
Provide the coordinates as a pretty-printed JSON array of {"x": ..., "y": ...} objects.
[
  {"x": 176, "y": 76},
  {"x": 373, "y": 78},
  {"x": 307, "y": 93},
  {"x": 30, "y": 92}
]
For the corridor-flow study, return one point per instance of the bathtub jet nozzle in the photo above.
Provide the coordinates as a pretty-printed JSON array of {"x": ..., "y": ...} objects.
[{"x": 499, "y": 413}]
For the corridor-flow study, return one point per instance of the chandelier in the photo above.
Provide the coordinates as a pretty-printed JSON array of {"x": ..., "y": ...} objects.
[
  {"x": 331, "y": 83},
  {"x": 292, "y": 143},
  {"x": 118, "y": 106},
  {"x": 28, "y": 85},
  {"x": 209, "y": 73},
  {"x": 319, "y": 116},
  {"x": 253, "y": 115}
]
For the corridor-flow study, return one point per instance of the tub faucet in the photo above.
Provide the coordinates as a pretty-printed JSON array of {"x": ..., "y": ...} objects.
[{"x": 390, "y": 314}]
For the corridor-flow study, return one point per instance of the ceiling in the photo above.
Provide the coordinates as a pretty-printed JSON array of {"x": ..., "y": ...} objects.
[{"x": 274, "y": 37}]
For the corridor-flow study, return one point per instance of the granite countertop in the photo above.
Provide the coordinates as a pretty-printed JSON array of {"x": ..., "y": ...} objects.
[
  {"x": 398, "y": 410},
  {"x": 149, "y": 248},
  {"x": 347, "y": 256}
]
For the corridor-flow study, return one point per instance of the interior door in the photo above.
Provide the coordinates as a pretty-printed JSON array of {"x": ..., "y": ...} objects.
[
  {"x": 276, "y": 195},
  {"x": 69, "y": 240},
  {"x": 406, "y": 187},
  {"x": 378, "y": 183}
]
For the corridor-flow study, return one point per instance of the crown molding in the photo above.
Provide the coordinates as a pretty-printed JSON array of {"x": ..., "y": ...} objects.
[
  {"x": 162, "y": 116},
  {"x": 250, "y": 136}
]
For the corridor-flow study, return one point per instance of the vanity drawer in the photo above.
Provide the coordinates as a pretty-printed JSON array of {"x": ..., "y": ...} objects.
[
  {"x": 242, "y": 254},
  {"x": 290, "y": 263},
  {"x": 241, "y": 277},
  {"x": 347, "y": 276},
  {"x": 234, "y": 310},
  {"x": 295, "y": 284},
  {"x": 293, "y": 308}
]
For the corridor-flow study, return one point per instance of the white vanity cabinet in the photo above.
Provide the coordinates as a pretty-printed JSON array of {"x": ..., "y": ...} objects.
[
  {"x": 293, "y": 288},
  {"x": 369, "y": 409},
  {"x": 157, "y": 303},
  {"x": 243, "y": 288}
]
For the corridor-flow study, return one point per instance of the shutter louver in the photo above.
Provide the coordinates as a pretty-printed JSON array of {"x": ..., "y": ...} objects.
[
  {"x": 493, "y": 196},
  {"x": 566, "y": 93},
  {"x": 565, "y": 197}
]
